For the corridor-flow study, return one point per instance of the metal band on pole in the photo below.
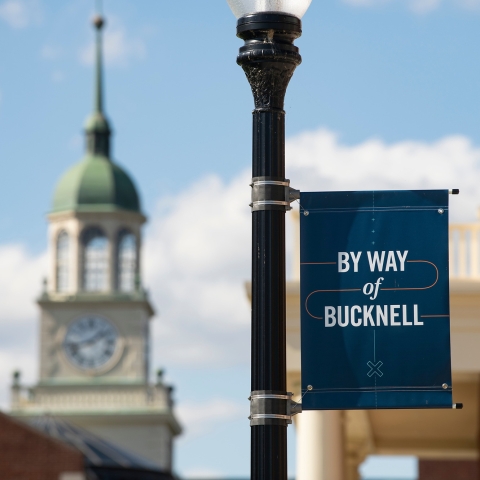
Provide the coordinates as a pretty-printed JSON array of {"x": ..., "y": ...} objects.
[
  {"x": 271, "y": 194},
  {"x": 270, "y": 408}
]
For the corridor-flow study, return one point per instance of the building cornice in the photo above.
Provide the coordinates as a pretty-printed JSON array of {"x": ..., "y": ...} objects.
[
  {"x": 139, "y": 298},
  {"x": 97, "y": 214}
]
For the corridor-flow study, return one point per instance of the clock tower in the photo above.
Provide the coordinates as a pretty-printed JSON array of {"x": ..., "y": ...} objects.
[{"x": 95, "y": 314}]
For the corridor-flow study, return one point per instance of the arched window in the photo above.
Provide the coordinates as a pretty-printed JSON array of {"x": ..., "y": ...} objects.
[
  {"x": 62, "y": 261},
  {"x": 95, "y": 260},
  {"x": 126, "y": 261}
]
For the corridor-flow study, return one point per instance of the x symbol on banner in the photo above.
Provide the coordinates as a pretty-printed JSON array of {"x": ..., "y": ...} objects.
[{"x": 375, "y": 369}]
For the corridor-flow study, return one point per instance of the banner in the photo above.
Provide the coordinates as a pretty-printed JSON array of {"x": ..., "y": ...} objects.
[{"x": 375, "y": 313}]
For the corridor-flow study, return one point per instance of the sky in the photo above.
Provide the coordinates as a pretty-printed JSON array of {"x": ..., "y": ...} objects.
[{"x": 387, "y": 96}]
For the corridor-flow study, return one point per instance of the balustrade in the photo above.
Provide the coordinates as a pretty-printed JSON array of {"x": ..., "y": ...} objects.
[{"x": 464, "y": 239}]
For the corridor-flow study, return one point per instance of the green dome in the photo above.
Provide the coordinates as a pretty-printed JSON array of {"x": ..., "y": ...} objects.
[
  {"x": 97, "y": 122},
  {"x": 95, "y": 184}
]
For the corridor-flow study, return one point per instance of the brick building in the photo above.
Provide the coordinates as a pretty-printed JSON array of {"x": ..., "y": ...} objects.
[
  {"x": 52, "y": 449},
  {"x": 27, "y": 454},
  {"x": 448, "y": 470}
]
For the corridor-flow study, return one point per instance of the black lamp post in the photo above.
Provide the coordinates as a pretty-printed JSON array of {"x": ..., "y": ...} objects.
[{"x": 269, "y": 58}]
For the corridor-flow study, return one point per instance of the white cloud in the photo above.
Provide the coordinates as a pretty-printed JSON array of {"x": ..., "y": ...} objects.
[
  {"x": 416, "y": 6},
  {"x": 424, "y": 6},
  {"x": 118, "y": 46},
  {"x": 203, "y": 473},
  {"x": 197, "y": 256},
  {"x": 197, "y": 247},
  {"x": 318, "y": 161},
  {"x": 200, "y": 419},
  {"x": 20, "y": 284},
  {"x": 20, "y": 13}
]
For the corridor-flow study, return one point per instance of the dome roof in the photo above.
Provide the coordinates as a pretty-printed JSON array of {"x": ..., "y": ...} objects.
[
  {"x": 97, "y": 122},
  {"x": 95, "y": 184}
]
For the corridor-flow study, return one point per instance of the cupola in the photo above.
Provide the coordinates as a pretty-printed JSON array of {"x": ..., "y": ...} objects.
[{"x": 96, "y": 183}]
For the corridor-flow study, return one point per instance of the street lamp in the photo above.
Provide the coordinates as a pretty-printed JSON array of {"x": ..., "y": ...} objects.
[
  {"x": 269, "y": 58},
  {"x": 297, "y": 8}
]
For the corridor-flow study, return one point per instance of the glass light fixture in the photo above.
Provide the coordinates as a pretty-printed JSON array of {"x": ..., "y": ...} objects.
[{"x": 296, "y": 8}]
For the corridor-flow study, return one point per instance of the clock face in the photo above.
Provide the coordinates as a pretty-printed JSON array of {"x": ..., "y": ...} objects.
[{"x": 90, "y": 342}]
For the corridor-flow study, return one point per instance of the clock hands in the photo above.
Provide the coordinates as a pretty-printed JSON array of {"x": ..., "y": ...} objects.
[
  {"x": 90, "y": 342},
  {"x": 97, "y": 336},
  {"x": 76, "y": 346}
]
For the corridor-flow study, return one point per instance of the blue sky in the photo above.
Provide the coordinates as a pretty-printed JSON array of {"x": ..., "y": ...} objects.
[{"x": 378, "y": 77}]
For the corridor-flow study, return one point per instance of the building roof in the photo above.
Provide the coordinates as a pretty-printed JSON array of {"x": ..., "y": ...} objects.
[
  {"x": 96, "y": 183},
  {"x": 100, "y": 455}
]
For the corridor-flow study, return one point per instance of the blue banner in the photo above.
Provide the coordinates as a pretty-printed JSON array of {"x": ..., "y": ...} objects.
[{"x": 375, "y": 313}]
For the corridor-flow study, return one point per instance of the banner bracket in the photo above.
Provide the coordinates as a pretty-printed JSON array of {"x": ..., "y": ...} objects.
[
  {"x": 272, "y": 193},
  {"x": 269, "y": 407}
]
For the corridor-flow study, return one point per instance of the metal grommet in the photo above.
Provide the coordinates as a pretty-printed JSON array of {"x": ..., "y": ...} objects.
[
  {"x": 441, "y": 210},
  {"x": 445, "y": 386},
  {"x": 309, "y": 388},
  {"x": 306, "y": 213}
]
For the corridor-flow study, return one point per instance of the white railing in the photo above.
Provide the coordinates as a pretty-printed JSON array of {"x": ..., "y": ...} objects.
[
  {"x": 57, "y": 399},
  {"x": 464, "y": 243}
]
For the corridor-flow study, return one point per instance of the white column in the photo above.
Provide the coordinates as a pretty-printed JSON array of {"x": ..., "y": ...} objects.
[
  {"x": 462, "y": 253},
  {"x": 474, "y": 273},
  {"x": 52, "y": 257},
  {"x": 76, "y": 257},
  {"x": 320, "y": 452}
]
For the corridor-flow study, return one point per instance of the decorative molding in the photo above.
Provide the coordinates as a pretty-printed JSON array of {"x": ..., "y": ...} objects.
[
  {"x": 269, "y": 85},
  {"x": 91, "y": 398}
]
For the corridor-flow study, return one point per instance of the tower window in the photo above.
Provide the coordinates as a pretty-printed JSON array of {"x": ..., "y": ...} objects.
[
  {"x": 126, "y": 261},
  {"x": 95, "y": 260},
  {"x": 62, "y": 261}
]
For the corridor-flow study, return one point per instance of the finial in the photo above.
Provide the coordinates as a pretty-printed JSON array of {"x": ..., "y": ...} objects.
[
  {"x": 16, "y": 377},
  {"x": 138, "y": 282},
  {"x": 98, "y": 22},
  {"x": 97, "y": 128}
]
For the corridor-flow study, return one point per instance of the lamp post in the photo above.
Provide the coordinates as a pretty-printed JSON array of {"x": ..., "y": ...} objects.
[{"x": 269, "y": 58}]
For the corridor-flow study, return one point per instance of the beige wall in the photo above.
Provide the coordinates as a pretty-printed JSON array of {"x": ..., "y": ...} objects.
[
  {"x": 148, "y": 438},
  {"x": 129, "y": 361}
]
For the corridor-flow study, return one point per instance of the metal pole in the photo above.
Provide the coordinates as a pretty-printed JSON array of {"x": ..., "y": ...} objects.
[{"x": 269, "y": 59}]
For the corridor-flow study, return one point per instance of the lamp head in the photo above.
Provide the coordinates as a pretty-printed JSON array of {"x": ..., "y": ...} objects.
[{"x": 297, "y": 8}]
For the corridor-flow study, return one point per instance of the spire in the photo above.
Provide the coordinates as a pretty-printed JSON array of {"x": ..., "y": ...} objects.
[
  {"x": 97, "y": 128},
  {"x": 98, "y": 22}
]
